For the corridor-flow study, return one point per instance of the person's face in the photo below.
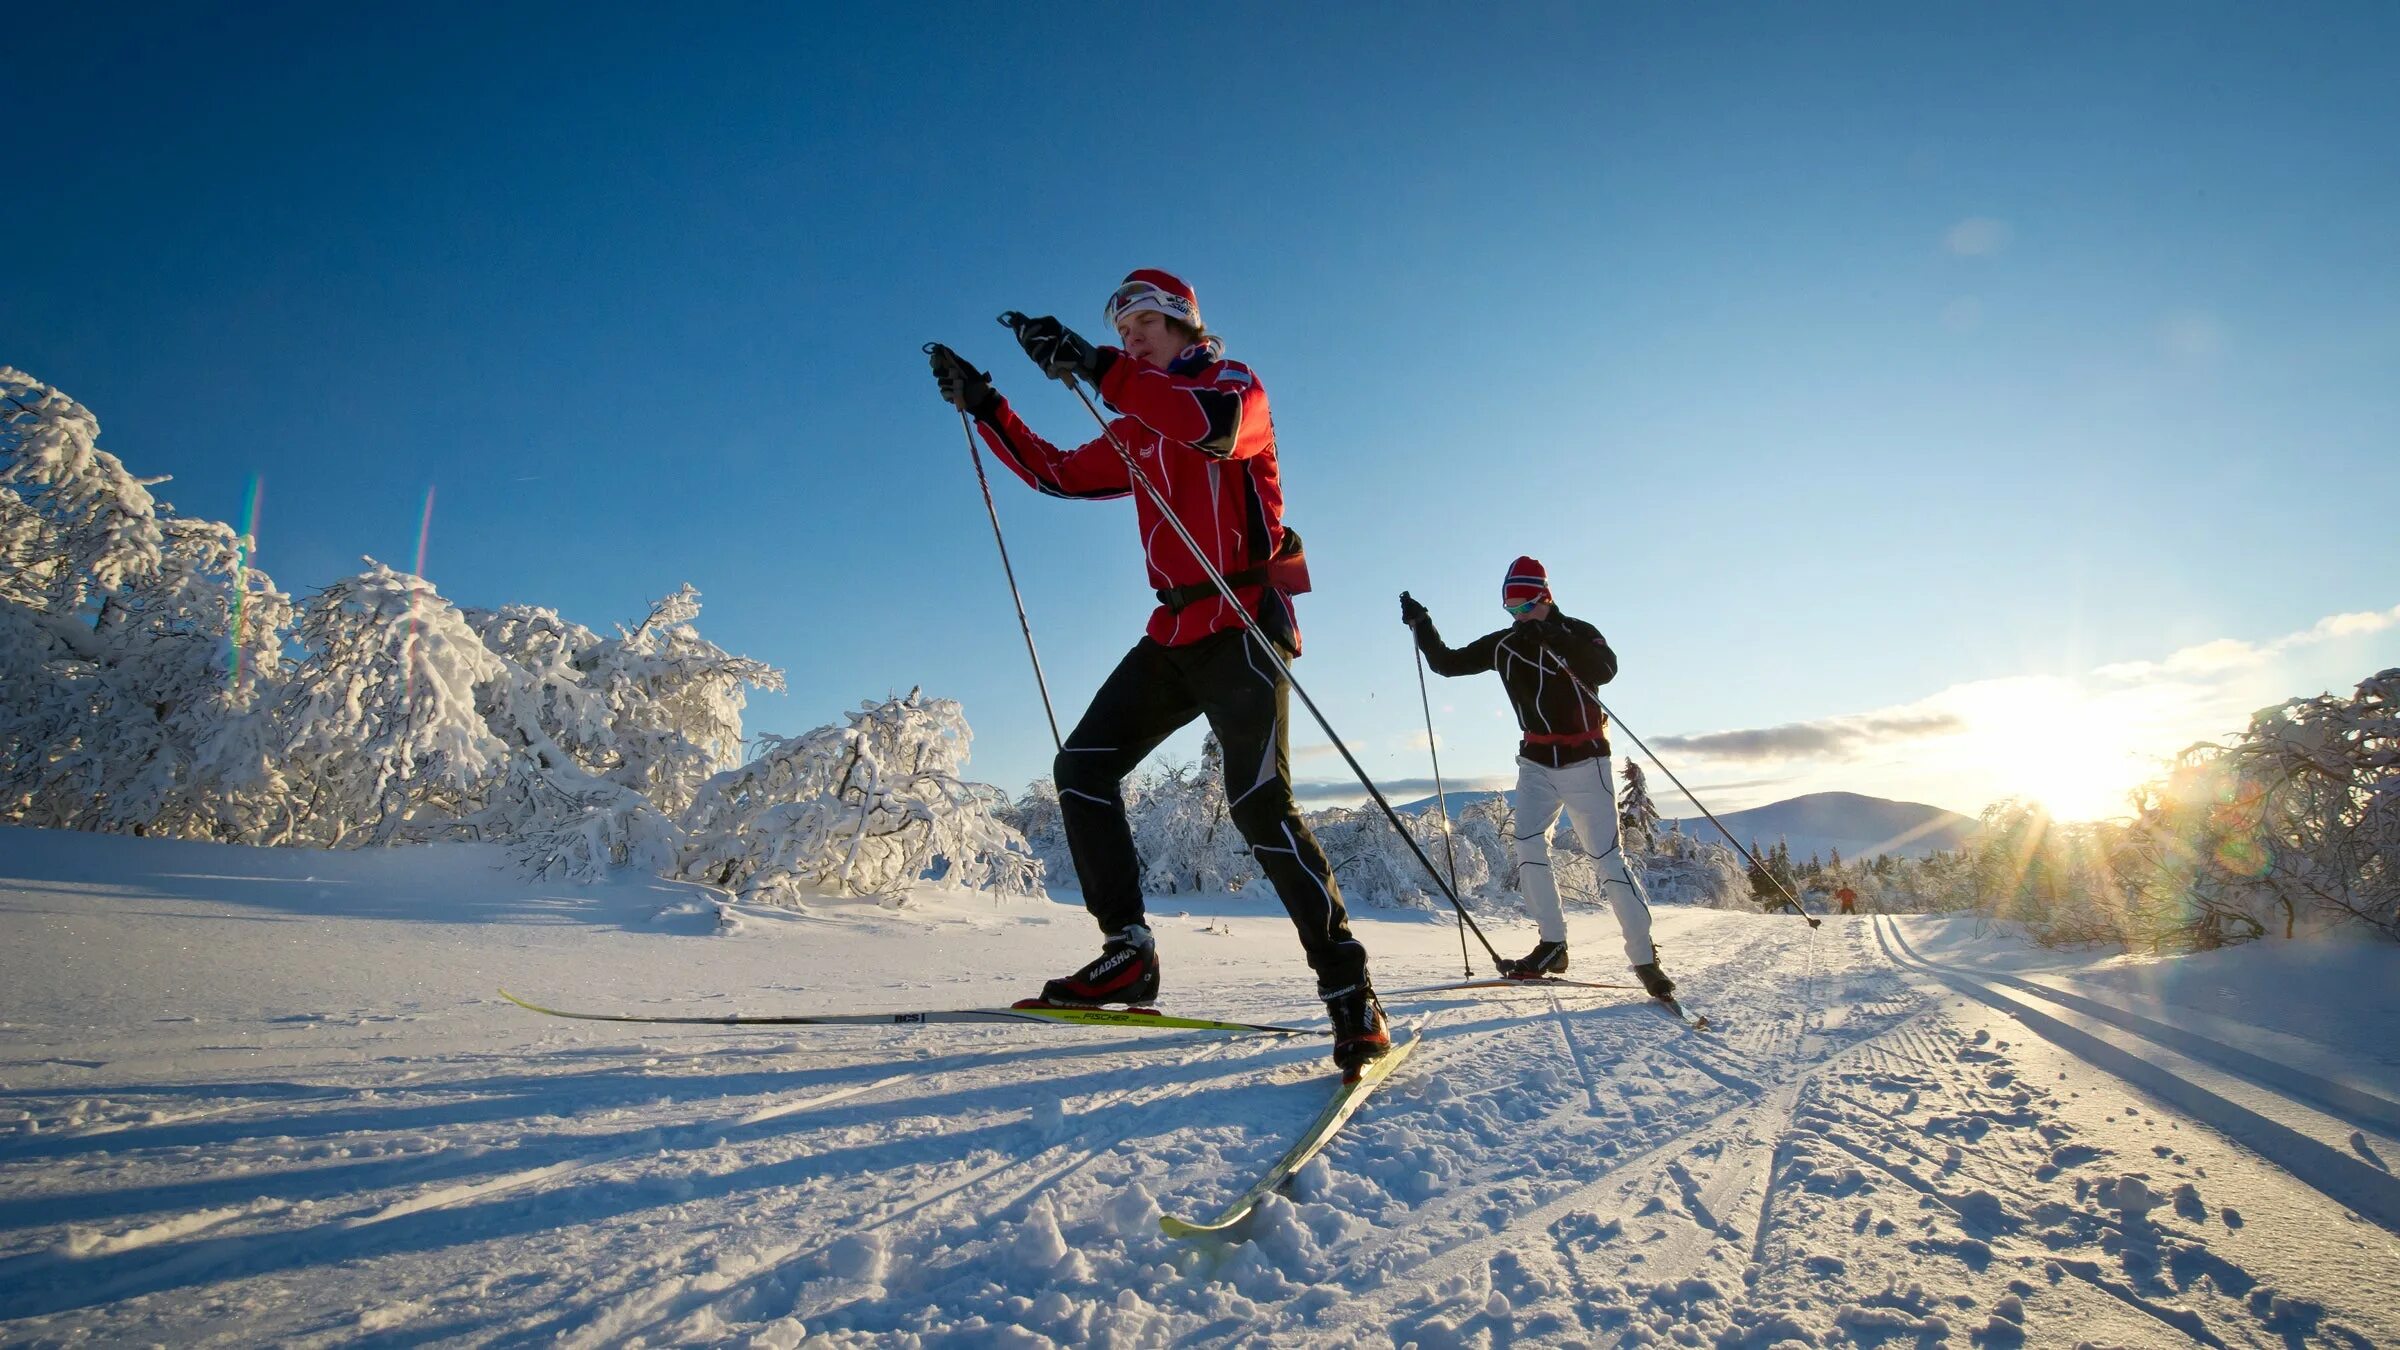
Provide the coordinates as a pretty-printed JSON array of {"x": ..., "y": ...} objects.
[
  {"x": 1151, "y": 338},
  {"x": 1538, "y": 612}
]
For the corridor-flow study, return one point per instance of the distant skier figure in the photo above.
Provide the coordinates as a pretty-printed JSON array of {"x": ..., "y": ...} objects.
[
  {"x": 1198, "y": 426},
  {"x": 1848, "y": 899},
  {"x": 1549, "y": 663}
]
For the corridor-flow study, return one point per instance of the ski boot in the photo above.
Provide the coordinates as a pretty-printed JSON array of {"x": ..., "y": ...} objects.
[
  {"x": 1546, "y": 958},
  {"x": 1126, "y": 971},
  {"x": 1655, "y": 981},
  {"x": 1360, "y": 1034}
]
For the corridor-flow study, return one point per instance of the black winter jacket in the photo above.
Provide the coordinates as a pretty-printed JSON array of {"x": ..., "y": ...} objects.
[{"x": 1550, "y": 668}]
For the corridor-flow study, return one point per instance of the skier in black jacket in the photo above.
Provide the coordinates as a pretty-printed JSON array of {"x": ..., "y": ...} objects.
[{"x": 1550, "y": 664}]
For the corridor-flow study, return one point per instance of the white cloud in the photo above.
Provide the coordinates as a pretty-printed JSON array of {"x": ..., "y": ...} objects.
[
  {"x": 2222, "y": 656},
  {"x": 2079, "y": 743},
  {"x": 1824, "y": 736},
  {"x": 2358, "y": 624},
  {"x": 1977, "y": 237}
]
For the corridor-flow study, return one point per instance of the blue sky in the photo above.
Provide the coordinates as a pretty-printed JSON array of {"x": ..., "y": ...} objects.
[{"x": 1844, "y": 363}]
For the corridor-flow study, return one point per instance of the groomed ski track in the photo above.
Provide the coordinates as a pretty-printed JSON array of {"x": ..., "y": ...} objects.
[{"x": 1875, "y": 1146}]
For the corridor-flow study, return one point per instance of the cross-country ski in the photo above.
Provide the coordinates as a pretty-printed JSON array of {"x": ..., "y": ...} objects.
[
  {"x": 1462, "y": 678},
  {"x": 1348, "y": 1096},
  {"x": 1144, "y": 1019}
]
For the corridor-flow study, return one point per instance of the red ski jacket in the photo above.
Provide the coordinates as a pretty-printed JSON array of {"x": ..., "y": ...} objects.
[{"x": 1205, "y": 439}]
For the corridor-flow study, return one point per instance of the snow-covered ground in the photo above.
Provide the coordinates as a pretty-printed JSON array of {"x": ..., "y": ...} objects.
[{"x": 256, "y": 1097}]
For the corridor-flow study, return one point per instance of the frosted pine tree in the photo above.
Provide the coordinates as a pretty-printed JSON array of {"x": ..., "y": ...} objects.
[
  {"x": 862, "y": 809},
  {"x": 1637, "y": 815}
]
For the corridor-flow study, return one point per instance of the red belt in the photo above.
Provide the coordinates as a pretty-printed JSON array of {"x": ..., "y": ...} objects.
[{"x": 1574, "y": 738}]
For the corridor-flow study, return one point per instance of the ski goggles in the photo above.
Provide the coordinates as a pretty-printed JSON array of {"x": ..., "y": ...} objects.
[
  {"x": 1135, "y": 297},
  {"x": 1523, "y": 607}
]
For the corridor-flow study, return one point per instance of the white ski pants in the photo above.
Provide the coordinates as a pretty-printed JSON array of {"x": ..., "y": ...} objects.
[{"x": 1587, "y": 789}]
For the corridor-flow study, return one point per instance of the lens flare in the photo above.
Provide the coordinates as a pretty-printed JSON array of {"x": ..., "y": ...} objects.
[
  {"x": 243, "y": 547},
  {"x": 408, "y": 687}
]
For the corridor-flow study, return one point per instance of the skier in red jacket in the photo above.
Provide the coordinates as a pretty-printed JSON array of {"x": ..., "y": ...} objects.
[{"x": 1197, "y": 426}]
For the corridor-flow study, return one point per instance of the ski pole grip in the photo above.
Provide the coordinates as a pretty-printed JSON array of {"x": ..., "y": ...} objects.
[{"x": 1012, "y": 320}]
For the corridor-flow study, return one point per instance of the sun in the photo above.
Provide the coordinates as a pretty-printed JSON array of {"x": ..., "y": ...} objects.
[
  {"x": 2080, "y": 782},
  {"x": 2046, "y": 740}
]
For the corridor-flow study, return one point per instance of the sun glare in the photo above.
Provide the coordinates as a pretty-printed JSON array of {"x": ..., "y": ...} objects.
[{"x": 2045, "y": 740}]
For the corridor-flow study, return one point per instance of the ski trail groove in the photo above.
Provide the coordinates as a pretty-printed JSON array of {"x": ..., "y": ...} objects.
[{"x": 2339, "y": 1176}]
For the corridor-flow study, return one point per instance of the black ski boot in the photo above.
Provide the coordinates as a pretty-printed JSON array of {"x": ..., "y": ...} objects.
[
  {"x": 1654, "y": 980},
  {"x": 1360, "y": 1034},
  {"x": 1126, "y": 971},
  {"x": 1546, "y": 958}
]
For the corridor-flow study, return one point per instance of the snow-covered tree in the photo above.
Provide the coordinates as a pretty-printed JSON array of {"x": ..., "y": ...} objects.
[
  {"x": 383, "y": 718},
  {"x": 1035, "y": 814},
  {"x": 613, "y": 736},
  {"x": 2298, "y": 819},
  {"x": 1678, "y": 869},
  {"x": 1370, "y": 862},
  {"x": 1182, "y": 832},
  {"x": 675, "y": 702},
  {"x": 74, "y": 525},
  {"x": 134, "y": 644},
  {"x": 1485, "y": 826},
  {"x": 2054, "y": 878},
  {"x": 861, "y": 809}
]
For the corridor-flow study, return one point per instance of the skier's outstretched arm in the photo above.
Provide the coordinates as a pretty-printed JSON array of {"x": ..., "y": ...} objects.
[
  {"x": 1473, "y": 659},
  {"x": 1091, "y": 470}
]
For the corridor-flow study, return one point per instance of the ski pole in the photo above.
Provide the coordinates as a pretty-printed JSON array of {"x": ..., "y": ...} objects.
[
  {"x": 1441, "y": 796},
  {"x": 1013, "y": 320},
  {"x": 1788, "y": 898},
  {"x": 976, "y": 452},
  {"x": 1610, "y": 713}
]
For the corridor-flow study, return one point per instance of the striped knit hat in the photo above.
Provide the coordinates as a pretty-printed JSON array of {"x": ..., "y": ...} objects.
[
  {"x": 1527, "y": 581},
  {"x": 1148, "y": 288}
]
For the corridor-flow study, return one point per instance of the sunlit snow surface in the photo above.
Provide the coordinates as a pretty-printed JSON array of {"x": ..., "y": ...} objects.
[{"x": 256, "y": 1097}]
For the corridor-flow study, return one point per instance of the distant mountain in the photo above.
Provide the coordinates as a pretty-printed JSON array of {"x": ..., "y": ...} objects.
[
  {"x": 1816, "y": 824},
  {"x": 1860, "y": 826},
  {"x": 1458, "y": 801}
]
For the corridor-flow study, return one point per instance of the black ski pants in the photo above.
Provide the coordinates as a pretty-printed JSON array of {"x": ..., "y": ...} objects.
[{"x": 1153, "y": 693}]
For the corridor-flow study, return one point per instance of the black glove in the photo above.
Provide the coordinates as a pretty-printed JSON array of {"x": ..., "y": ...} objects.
[
  {"x": 1062, "y": 353},
  {"x": 1412, "y": 613},
  {"x": 963, "y": 386}
]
